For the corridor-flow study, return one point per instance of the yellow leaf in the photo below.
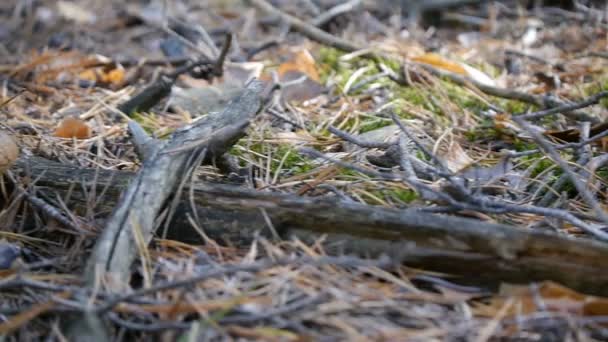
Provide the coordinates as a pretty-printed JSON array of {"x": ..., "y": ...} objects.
[
  {"x": 114, "y": 76},
  {"x": 88, "y": 75},
  {"x": 302, "y": 62},
  {"x": 440, "y": 63}
]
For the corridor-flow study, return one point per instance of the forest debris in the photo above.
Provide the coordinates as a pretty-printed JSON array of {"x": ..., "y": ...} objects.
[
  {"x": 202, "y": 101},
  {"x": 72, "y": 127},
  {"x": 302, "y": 62},
  {"x": 546, "y": 296},
  {"x": 440, "y": 63},
  {"x": 460, "y": 246},
  {"x": 75, "y": 12},
  {"x": 9, "y": 254},
  {"x": 9, "y": 151},
  {"x": 22, "y": 318},
  {"x": 142, "y": 201}
]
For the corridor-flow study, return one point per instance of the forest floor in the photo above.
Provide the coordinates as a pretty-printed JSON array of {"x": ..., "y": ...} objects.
[{"x": 493, "y": 112}]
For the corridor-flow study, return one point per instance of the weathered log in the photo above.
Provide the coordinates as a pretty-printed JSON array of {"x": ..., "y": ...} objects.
[
  {"x": 135, "y": 215},
  {"x": 437, "y": 242}
]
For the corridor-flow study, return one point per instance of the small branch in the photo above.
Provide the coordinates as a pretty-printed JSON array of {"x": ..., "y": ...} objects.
[
  {"x": 307, "y": 29},
  {"x": 574, "y": 145},
  {"x": 335, "y": 11},
  {"x": 564, "y": 108},
  {"x": 369, "y": 172},
  {"x": 357, "y": 141},
  {"x": 145, "y": 146},
  {"x": 442, "y": 243},
  {"x": 580, "y": 187},
  {"x": 541, "y": 101},
  {"x": 49, "y": 210},
  {"x": 253, "y": 267},
  {"x": 537, "y": 59},
  {"x": 142, "y": 202}
]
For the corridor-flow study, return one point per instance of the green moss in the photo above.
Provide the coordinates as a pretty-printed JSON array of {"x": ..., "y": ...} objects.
[
  {"x": 512, "y": 106},
  {"x": 541, "y": 166},
  {"x": 392, "y": 63},
  {"x": 483, "y": 132},
  {"x": 349, "y": 174},
  {"x": 330, "y": 57},
  {"x": 403, "y": 195},
  {"x": 602, "y": 174},
  {"x": 293, "y": 162},
  {"x": 491, "y": 70},
  {"x": 146, "y": 120},
  {"x": 373, "y": 124},
  {"x": 522, "y": 145},
  {"x": 596, "y": 87},
  {"x": 462, "y": 98},
  {"x": 414, "y": 96},
  {"x": 376, "y": 196},
  {"x": 330, "y": 65}
]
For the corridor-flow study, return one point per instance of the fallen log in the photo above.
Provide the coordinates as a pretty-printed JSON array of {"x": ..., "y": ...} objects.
[{"x": 455, "y": 245}]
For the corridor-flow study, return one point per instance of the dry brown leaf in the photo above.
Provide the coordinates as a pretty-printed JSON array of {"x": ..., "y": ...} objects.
[
  {"x": 554, "y": 297},
  {"x": 455, "y": 157},
  {"x": 9, "y": 151},
  {"x": 302, "y": 62},
  {"x": 111, "y": 76}
]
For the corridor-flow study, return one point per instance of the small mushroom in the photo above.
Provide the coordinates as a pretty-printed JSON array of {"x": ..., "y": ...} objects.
[{"x": 9, "y": 151}]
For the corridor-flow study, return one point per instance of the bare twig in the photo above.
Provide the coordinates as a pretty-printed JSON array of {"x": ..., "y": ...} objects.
[
  {"x": 565, "y": 108},
  {"x": 542, "y": 101},
  {"x": 580, "y": 187},
  {"x": 307, "y": 29},
  {"x": 335, "y": 11},
  {"x": 357, "y": 141},
  {"x": 534, "y": 58},
  {"x": 253, "y": 267},
  {"x": 573, "y": 145}
]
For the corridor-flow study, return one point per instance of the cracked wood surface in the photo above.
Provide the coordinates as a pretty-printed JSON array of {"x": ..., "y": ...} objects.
[{"x": 461, "y": 246}]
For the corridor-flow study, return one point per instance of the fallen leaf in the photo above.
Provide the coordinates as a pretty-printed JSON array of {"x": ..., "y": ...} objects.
[
  {"x": 88, "y": 75},
  {"x": 444, "y": 64},
  {"x": 573, "y": 135},
  {"x": 302, "y": 62},
  {"x": 71, "y": 127},
  {"x": 554, "y": 298},
  {"x": 9, "y": 151},
  {"x": 299, "y": 77},
  {"x": 440, "y": 63},
  {"x": 113, "y": 76},
  {"x": 456, "y": 158}
]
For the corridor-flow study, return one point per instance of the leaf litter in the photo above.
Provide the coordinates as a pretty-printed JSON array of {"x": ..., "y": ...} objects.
[{"x": 72, "y": 63}]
